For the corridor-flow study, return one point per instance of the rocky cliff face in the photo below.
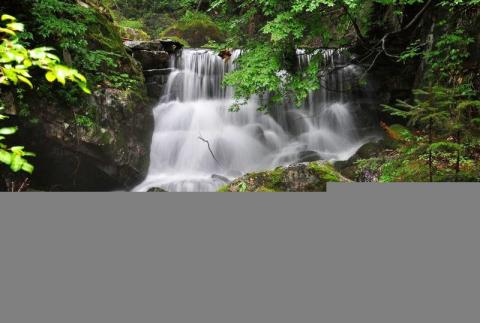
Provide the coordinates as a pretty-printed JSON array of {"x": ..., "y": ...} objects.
[{"x": 99, "y": 142}]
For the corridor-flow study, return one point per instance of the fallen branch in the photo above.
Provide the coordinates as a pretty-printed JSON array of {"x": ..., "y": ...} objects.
[{"x": 210, "y": 149}]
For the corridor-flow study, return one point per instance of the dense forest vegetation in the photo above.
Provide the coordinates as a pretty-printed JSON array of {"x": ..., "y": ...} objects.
[{"x": 66, "y": 74}]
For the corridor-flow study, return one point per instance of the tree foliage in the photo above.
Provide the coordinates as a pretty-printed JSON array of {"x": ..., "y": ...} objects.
[{"x": 16, "y": 61}]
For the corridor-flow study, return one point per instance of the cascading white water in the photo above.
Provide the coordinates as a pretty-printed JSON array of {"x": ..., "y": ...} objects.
[{"x": 198, "y": 143}]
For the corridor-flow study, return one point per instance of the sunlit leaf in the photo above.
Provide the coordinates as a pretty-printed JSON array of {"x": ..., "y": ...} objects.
[
  {"x": 16, "y": 163},
  {"x": 16, "y": 26},
  {"x": 5, "y": 157},
  {"x": 8, "y": 17},
  {"x": 27, "y": 167},
  {"x": 8, "y": 131},
  {"x": 50, "y": 76},
  {"x": 25, "y": 80}
]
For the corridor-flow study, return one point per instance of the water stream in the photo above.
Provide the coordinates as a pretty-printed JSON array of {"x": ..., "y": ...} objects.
[{"x": 198, "y": 143}]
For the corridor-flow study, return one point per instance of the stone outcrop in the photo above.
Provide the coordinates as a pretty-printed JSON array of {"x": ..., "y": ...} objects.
[
  {"x": 154, "y": 56},
  {"x": 301, "y": 177}
]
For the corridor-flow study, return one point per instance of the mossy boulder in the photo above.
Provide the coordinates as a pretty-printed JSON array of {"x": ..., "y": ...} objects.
[
  {"x": 302, "y": 177},
  {"x": 133, "y": 34},
  {"x": 195, "y": 32}
]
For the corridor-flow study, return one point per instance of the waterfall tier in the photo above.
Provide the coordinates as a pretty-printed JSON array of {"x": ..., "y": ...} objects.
[{"x": 198, "y": 144}]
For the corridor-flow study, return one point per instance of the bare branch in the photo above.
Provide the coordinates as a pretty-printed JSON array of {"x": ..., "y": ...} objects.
[{"x": 209, "y": 148}]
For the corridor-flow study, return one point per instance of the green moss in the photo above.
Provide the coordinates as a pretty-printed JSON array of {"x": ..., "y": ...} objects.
[
  {"x": 224, "y": 189},
  {"x": 131, "y": 23},
  {"x": 325, "y": 171},
  {"x": 197, "y": 29},
  {"x": 276, "y": 176},
  {"x": 106, "y": 35},
  {"x": 299, "y": 178},
  {"x": 270, "y": 181},
  {"x": 133, "y": 34}
]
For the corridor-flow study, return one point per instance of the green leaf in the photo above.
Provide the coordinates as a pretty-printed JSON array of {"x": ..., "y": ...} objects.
[
  {"x": 7, "y": 31},
  {"x": 27, "y": 167},
  {"x": 5, "y": 157},
  {"x": 17, "y": 163},
  {"x": 50, "y": 76},
  {"x": 17, "y": 149},
  {"x": 8, "y": 17},
  {"x": 8, "y": 130},
  {"x": 16, "y": 26},
  {"x": 25, "y": 80},
  {"x": 84, "y": 88}
]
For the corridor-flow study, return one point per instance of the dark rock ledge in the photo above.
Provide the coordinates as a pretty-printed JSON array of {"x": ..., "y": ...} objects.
[{"x": 154, "y": 56}]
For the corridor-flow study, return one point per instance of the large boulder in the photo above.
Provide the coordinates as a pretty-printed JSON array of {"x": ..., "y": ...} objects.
[
  {"x": 302, "y": 177},
  {"x": 152, "y": 59},
  {"x": 196, "y": 32}
]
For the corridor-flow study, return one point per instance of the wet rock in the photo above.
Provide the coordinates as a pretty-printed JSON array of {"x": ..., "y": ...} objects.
[
  {"x": 257, "y": 132},
  {"x": 307, "y": 156},
  {"x": 156, "y": 190},
  {"x": 157, "y": 72},
  {"x": 152, "y": 59},
  {"x": 225, "y": 54},
  {"x": 166, "y": 45},
  {"x": 221, "y": 178},
  {"x": 296, "y": 122},
  {"x": 302, "y": 177}
]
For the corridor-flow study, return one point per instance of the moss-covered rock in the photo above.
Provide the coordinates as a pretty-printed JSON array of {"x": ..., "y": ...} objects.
[
  {"x": 195, "y": 32},
  {"x": 303, "y": 177},
  {"x": 133, "y": 34}
]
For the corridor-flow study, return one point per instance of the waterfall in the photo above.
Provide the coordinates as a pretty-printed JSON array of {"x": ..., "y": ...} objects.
[{"x": 198, "y": 144}]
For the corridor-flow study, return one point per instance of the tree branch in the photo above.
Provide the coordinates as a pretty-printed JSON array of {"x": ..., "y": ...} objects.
[{"x": 209, "y": 148}]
